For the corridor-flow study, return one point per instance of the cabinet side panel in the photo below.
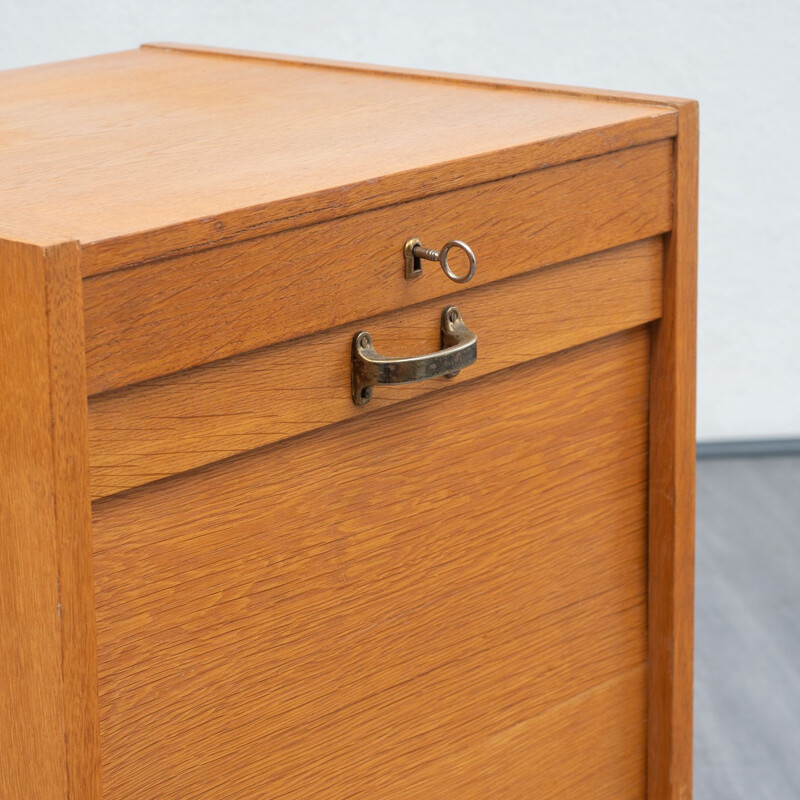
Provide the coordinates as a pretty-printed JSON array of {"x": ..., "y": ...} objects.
[
  {"x": 48, "y": 693},
  {"x": 69, "y": 409},
  {"x": 672, "y": 488},
  {"x": 32, "y": 752}
]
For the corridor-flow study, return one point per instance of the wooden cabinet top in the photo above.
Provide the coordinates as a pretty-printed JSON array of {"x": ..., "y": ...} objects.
[{"x": 142, "y": 154}]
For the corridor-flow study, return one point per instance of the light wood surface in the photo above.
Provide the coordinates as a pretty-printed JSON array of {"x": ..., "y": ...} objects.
[
  {"x": 148, "y": 152},
  {"x": 182, "y": 421},
  {"x": 48, "y": 690},
  {"x": 166, "y": 316},
  {"x": 672, "y": 488},
  {"x": 466, "y": 589},
  {"x": 387, "y": 585},
  {"x": 600, "y": 726},
  {"x": 613, "y": 95}
]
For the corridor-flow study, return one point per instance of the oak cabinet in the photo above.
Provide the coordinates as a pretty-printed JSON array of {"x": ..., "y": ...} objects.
[{"x": 240, "y": 558}]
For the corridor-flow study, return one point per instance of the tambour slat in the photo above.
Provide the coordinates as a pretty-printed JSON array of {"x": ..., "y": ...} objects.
[{"x": 179, "y": 422}]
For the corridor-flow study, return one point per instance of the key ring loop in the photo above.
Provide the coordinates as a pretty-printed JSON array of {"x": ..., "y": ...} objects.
[{"x": 446, "y": 266}]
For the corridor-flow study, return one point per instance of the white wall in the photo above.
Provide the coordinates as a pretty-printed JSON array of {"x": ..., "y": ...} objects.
[{"x": 741, "y": 60}]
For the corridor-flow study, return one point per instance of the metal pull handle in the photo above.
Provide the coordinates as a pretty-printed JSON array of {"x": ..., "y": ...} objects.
[
  {"x": 460, "y": 349},
  {"x": 414, "y": 252}
]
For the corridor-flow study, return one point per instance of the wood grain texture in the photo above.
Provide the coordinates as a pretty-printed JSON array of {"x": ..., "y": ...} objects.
[
  {"x": 167, "y": 316},
  {"x": 31, "y": 733},
  {"x": 431, "y": 75},
  {"x": 552, "y": 755},
  {"x": 48, "y": 692},
  {"x": 331, "y": 616},
  {"x": 180, "y": 422},
  {"x": 69, "y": 421},
  {"x": 287, "y": 613},
  {"x": 672, "y": 489},
  {"x": 183, "y": 151}
]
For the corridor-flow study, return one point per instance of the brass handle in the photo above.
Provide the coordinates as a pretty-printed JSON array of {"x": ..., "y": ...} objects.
[{"x": 460, "y": 349}]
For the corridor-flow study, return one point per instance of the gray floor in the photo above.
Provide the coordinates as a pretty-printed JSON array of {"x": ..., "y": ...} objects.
[{"x": 747, "y": 635}]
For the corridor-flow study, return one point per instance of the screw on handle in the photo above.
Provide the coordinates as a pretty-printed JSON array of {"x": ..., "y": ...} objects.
[{"x": 414, "y": 253}]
